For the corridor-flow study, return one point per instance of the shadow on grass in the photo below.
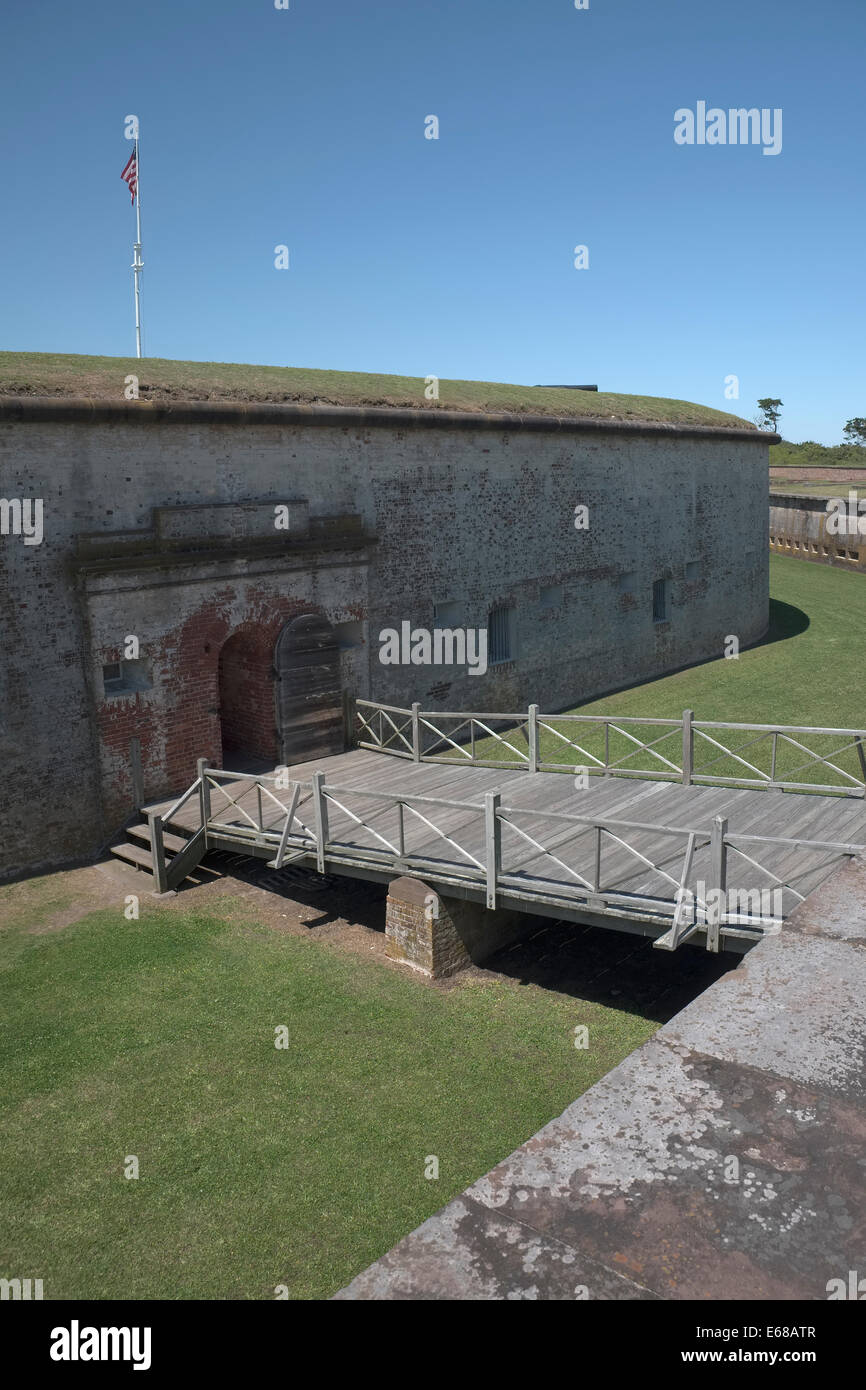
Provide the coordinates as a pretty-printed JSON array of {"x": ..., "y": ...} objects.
[
  {"x": 337, "y": 897},
  {"x": 785, "y": 621}
]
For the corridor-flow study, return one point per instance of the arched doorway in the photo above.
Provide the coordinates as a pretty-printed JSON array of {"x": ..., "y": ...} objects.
[
  {"x": 246, "y": 701},
  {"x": 309, "y": 698}
]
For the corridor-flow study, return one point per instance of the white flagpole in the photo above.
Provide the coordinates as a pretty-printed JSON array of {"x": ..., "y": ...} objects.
[{"x": 137, "y": 263}]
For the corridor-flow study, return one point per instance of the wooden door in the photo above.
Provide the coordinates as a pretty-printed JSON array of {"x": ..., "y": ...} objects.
[{"x": 309, "y": 701}]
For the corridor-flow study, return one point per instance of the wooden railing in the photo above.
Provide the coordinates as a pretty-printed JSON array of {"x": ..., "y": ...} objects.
[
  {"x": 483, "y": 846},
  {"x": 684, "y": 750}
]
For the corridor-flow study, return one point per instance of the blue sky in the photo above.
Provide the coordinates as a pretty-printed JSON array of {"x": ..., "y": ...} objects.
[{"x": 449, "y": 257}]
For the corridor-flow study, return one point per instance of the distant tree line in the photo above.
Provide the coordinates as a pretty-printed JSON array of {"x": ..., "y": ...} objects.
[{"x": 808, "y": 453}]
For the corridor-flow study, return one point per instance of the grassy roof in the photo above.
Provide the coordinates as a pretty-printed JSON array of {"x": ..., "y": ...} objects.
[{"x": 102, "y": 378}]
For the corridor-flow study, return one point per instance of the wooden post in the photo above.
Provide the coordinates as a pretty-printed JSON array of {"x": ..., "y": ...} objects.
[
  {"x": 688, "y": 746},
  {"x": 204, "y": 794},
  {"x": 157, "y": 851},
  {"x": 416, "y": 732},
  {"x": 492, "y": 843},
  {"x": 321, "y": 808},
  {"x": 277, "y": 863},
  {"x": 533, "y": 738},
  {"x": 718, "y": 879},
  {"x": 349, "y": 719},
  {"x": 138, "y": 776},
  {"x": 596, "y": 878}
]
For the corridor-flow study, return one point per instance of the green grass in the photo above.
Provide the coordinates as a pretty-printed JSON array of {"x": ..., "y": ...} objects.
[
  {"x": 258, "y": 1167},
  {"x": 816, "y": 487},
  {"x": 802, "y": 673},
  {"x": 102, "y": 378}
]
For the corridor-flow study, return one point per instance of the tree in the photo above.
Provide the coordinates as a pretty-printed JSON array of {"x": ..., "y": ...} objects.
[
  {"x": 770, "y": 412},
  {"x": 855, "y": 431}
]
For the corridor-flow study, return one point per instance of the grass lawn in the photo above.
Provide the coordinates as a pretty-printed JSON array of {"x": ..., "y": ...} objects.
[
  {"x": 102, "y": 378},
  {"x": 258, "y": 1166},
  {"x": 821, "y": 487},
  {"x": 803, "y": 673}
]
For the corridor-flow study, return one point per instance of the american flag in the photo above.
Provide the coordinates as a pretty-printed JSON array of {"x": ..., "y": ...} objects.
[{"x": 130, "y": 174}]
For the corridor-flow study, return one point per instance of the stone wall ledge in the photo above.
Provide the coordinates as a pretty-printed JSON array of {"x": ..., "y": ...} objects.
[
  {"x": 72, "y": 410},
  {"x": 722, "y": 1160}
]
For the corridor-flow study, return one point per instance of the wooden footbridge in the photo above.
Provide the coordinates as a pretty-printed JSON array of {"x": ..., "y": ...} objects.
[{"x": 674, "y": 828}]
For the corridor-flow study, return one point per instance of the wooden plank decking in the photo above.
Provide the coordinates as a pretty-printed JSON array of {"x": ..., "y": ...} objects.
[{"x": 566, "y": 864}]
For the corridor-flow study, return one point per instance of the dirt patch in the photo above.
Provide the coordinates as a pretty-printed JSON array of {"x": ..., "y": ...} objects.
[
  {"x": 346, "y": 914},
  {"x": 54, "y": 901}
]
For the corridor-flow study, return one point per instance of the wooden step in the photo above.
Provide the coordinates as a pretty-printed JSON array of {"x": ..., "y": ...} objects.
[
  {"x": 134, "y": 854},
  {"x": 142, "y": 858},
  {"x": 171, "y": 842}
]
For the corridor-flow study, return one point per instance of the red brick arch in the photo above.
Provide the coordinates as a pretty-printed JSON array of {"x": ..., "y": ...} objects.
[{"x": 246, "y": 696}]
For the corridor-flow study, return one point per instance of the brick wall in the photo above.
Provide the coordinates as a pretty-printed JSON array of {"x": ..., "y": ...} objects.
[
  {"x": 212, "y": 687},
  {"x": 246, "y": 696},
  {"x": 474, "y": 515}
]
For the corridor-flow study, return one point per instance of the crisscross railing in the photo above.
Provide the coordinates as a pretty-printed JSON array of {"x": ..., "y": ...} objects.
[
  {"x": 776, "y": 756},
  {"x": 685, "y": 750},
  {"x": 448, "y": 738},
  {"x": 382, "y": 730},
  {"x": 440, "y": 740},
  {"x": 517, "y": 855}
]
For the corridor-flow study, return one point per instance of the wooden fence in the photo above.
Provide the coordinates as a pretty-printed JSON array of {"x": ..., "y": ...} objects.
[{"x": 685, "y": 750}]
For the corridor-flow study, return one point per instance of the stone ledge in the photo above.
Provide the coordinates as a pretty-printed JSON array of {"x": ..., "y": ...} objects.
[
  {"x": 721, "y": 1160},
  {"x": 73, "y": 410}
]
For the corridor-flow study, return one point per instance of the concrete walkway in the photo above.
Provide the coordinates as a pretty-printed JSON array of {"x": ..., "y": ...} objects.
[{"x": 724, "y": 1159}]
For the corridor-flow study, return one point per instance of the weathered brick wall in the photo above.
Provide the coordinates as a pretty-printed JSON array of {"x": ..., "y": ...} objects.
[
  {"x": 178, "y": 718},
  {"x": 472, "y": 516},
  {"x": 497, "y": 526}
]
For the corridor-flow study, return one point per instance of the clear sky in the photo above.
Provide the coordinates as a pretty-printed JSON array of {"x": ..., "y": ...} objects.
[{"x": 451, "y": 257}]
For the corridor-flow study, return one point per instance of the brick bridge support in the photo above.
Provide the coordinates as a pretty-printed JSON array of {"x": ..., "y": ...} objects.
[{"x": 441, "y": 935}]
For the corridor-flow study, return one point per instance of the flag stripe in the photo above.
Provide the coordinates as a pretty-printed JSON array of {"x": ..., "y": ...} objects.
[{"x": 130, "y": 174}]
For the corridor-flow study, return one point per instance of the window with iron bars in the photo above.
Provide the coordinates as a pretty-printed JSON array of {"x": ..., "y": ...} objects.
[
  {"x": 660, "y": 601},
  {"x": 499, "y": 635}
]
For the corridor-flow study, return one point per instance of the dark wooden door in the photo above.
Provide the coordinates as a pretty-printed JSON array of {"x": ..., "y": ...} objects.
[{"x": 308, "y": 693}]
